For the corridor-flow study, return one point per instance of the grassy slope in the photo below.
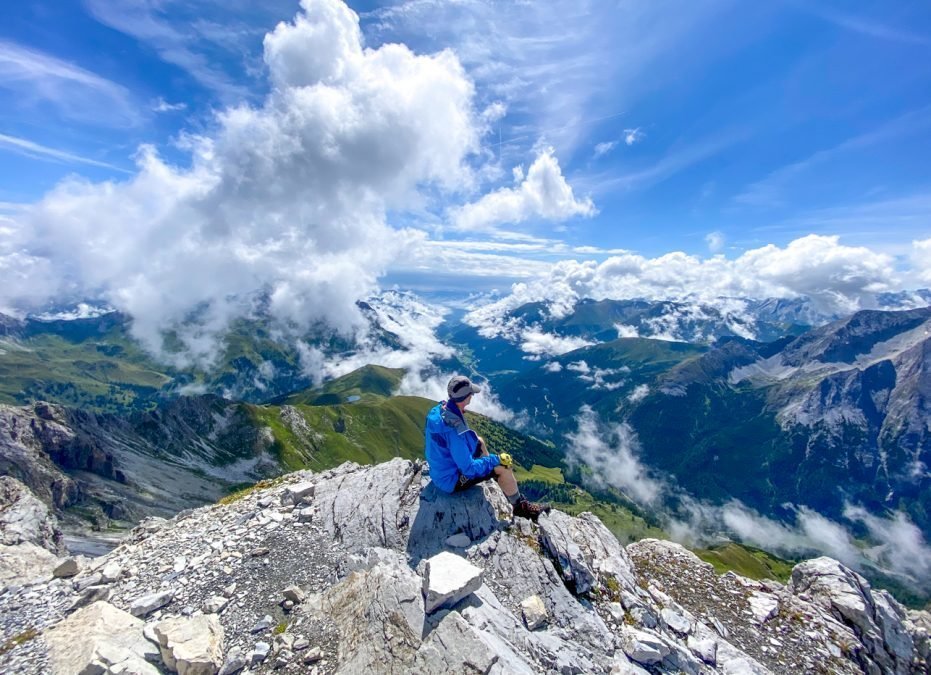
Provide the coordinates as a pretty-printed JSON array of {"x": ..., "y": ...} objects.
[
  {"x": 107, "y": 373},
  {"x": 370, "y": 383},
  {"x": 746, "y": 561}
]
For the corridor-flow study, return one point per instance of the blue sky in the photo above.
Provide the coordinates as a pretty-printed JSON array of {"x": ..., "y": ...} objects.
[{"x": 705, "y": 128}]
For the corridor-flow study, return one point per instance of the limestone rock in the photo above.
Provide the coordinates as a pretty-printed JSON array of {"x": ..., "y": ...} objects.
[
  {"x": 262, "y": 624},
  {"x": 216, "y": 604},
  {"x": 586, "y": 552},
  {"x": 24, "y": 518},
  {"x": 313, "y": 655},
  {"x": 676, "y": 622},
  {"x": 876, "y": 618},
  {"x": 294, "y": 594},
  {"x": 763, "y": 605},
  {"x": 534, "y": 612},
  {"x": 191, "y": 645},
  {"x": 454, "y": 647},
  {"x": 706, "y": 650},
  {"x": 460, "y": 540},
  {"x": 644, "y": 647},
  {"x": 26, "y": 563},
  {"x": 448, "y": 579},
  {"x": 100, "y": 638},
  {"x": 259, "y": 653},
  {"x": 147, "y": 604},
  {"x": 379, "y": 617},
  {"x": 293, "y": 494},
  {"x": 234, "y": 662},
  {"x": 111, "y": 572}
]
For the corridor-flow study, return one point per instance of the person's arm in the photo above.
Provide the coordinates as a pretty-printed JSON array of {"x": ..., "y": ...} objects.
[{"x": 462, "y": 455}]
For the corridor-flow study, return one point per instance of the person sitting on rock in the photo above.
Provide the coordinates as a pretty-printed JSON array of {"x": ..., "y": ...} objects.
[{"x": 458, "y": 457}]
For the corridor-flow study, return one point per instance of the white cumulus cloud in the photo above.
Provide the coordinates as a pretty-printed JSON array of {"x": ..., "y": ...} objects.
[
  {"x": 543, "y": 193},
  {"x": 287, "y": 199},
  {"x": 838, "y": 278},
  {"x": 632, "y": 136},
  {"x": 715, "y": 241}
]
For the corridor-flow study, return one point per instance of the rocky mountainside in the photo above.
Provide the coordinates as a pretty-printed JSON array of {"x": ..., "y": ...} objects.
[
  {"x": 370, "y": 569},
  {"x": 838, "y": 415},
  {"x": 102, "y": 469}
]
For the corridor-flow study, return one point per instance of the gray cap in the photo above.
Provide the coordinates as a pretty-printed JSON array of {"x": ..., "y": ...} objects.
[{"x": 460, "y": 387}]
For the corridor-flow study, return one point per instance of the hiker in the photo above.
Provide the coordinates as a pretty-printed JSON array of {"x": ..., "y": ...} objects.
[{"x": 458, "y": 457}]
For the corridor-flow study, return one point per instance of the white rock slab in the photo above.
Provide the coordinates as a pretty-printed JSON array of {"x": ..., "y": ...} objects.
[
  {"x": 534, "y": 611},
  {"x": 644, "y": 647},
  {"x": 763, "y": 606},
  {"x": 147, "y": 604},
  {"x": 676, "y": 621},
  {"x": 191, "y": 645},
  {"x": 448, "y": 578},
  {"x": 293, "y": 494},
  {"x": 100, "y": 638},
  {"x": 706, "y": 650}
]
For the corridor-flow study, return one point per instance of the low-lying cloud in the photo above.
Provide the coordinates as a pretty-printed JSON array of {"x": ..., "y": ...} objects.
[
  {"x": 837, "y": 278},
  {"x": 612, "y": 452}
]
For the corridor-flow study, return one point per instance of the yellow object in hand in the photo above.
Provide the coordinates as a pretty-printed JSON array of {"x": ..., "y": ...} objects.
[{"x": 505, "y": 460}]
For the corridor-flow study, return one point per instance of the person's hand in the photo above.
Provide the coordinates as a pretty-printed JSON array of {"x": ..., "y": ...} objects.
[{"x": 505, "y": 460}]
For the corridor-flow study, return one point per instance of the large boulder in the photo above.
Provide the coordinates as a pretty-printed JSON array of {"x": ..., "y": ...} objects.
[
  {"x": 191, "y": 645},
  {"x": 394, "y": 505},
  {"x": 588, "y": 555},
  {"x": 880, "y": 623},
  {"x": 379, "y": 616},
  {"x": 101, "y": 638},
  {"x": 25, "y": 564}
]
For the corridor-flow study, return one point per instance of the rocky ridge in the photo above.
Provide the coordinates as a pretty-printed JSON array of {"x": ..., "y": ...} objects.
[{"x": 329, "y": 572}]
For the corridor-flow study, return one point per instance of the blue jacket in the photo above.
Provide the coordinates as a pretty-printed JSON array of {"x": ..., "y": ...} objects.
[{"x": 451, "y": 447}]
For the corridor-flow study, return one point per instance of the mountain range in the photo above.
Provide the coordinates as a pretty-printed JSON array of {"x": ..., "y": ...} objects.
[{"x": 831, "y": 418}]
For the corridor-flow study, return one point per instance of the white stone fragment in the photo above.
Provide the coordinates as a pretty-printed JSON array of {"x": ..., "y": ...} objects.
[
  {"x": 68, "y": 568},
  {"x": 534, "y": 611},
  {"x": 460, "y": 540},
  {"x": 147, "y": 604},
  {"x": 676, "y": 622},
  {"x": 448, "y": 578},
  {"x": 706, "y": 650},
  {"x": 293, "y": 494},
  {"x": 644, "y": 647},
  {"x": 764, "y": 606}
]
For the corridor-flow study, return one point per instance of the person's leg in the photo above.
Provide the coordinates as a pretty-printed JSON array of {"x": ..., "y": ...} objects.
[
  {"x": 507, "y": 482},
  {"x": 504, "y": 476}
]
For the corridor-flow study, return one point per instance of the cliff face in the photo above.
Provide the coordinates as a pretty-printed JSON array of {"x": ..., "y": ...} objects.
[
  {"x": 183, "y": 454},
  {"x": 371, "y": 569}
]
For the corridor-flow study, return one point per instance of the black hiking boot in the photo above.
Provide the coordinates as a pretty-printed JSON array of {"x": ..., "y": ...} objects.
[{"x": 531, "y": 510}]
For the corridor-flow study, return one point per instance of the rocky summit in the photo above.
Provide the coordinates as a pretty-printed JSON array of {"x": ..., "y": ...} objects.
[{"x": 371, "y": 569}]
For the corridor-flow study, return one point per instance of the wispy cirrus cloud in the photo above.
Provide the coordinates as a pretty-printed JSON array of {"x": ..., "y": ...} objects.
[
  {"x": 773, "y": 190},
  {"x": 870, "y": 26},
  {"x": 191, "y": 45},
  {"x": 37, "y": 77},
  {"x": 31, "y": 149}
]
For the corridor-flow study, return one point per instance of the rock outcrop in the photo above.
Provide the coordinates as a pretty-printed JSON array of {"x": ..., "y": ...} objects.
[{"x": 346, "y": 591}]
